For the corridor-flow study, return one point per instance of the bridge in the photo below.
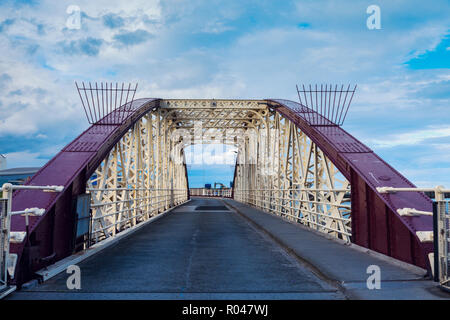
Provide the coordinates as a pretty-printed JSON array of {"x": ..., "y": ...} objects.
[{"x": 309, "y": 211}]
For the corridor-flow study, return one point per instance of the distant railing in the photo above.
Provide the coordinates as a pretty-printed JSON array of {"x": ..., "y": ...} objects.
[
  {"x": 204, "y": 192},
  {"x": 440, "y": 236}
]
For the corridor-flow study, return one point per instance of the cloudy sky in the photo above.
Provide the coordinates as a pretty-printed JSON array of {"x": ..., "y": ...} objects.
[{"x": 231, "y": 49}]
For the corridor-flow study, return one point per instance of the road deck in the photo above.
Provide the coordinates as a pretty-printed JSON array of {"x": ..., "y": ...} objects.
[
  {"x": 212, "y": 253},
  {"x": 223, "y": 249}
]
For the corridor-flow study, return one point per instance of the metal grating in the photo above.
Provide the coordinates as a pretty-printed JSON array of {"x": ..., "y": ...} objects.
[
  {"x": 83, "y": 146},
  {"x": 343, "y": 141}
]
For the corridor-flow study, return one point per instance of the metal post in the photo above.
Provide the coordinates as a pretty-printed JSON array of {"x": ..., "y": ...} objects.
[
  {"x": 7, "y": 193},
  {"x": 442, "y": 235},
  {"x": 435, "y": 243},
  {"x": 3, "y": 241}
]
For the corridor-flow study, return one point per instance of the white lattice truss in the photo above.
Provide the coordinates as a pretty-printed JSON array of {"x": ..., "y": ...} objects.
[
  {"x": 138, "y": 180},
  {"x": 279, "y": 169}
]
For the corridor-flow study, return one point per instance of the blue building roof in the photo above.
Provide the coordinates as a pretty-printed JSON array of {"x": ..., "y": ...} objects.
[{"x": 16, "y": 175}]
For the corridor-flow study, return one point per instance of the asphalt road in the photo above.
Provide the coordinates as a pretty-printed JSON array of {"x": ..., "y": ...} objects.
[{"x": 191, "y": 254}]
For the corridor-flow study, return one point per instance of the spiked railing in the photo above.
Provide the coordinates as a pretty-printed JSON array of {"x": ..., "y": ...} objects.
[
  {"x": 100, "y": 101},
  {"x": 325, "y": 105}
]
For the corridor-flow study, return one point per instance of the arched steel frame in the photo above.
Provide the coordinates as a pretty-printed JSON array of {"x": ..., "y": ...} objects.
[{"x": 315, "y": 163}]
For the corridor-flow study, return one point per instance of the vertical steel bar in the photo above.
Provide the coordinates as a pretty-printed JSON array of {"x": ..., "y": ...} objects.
[
  {"x": 321, "y": 102},
  {"x": 82, "y": 102},
  {"x": 329, "y": 104},
  {"x": 436, "y": 271},
  {"x": 339, "y": 104},
  {"x": 93, "y": 102},
  {"x": 107, "y": 102},
  {"x": 98, "y": 102},
  {"x": 115, "y": 97},
  {"x": 87, "y": 101},
  {"x": 334, "y": 103},
  {"x": 343, "y": 105},
  {"x": 317, "y": 105},
  {"x": 121, "y": 94},
  {"x": 132, "y": 99},
  {"x": 325, "y": 115},
  {"x": 103, "y": 102},
  {"x": 304, "y": 94},
  {"x": 348, "y": 105},
  {"x": 8, "y": 193},
  {"x": 299, "y": 97},
  {"x": 125, "y": 107},
  {"x": 110, "y": 97}
]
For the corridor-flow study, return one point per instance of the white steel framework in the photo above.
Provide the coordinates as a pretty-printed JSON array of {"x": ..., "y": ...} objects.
[
  {"x": 141, "y": 177},
  {"x": 279, "y": 169}
]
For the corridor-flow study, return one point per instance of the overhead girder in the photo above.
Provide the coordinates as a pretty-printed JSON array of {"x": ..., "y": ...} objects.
[{"x": 286, "y": 164}]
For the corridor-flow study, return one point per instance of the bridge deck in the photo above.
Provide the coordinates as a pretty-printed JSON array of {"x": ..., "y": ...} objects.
[{"x": 218, "y": 253}]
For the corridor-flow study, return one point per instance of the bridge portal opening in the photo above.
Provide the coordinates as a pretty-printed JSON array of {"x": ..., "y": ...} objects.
[{"x": 210, "y": 165}]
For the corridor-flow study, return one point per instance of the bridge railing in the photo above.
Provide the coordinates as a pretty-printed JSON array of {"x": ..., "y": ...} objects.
[
  {"x": 114, "y": 210},
  {"x": 204, "y": 192},
  {"x": 440, "y": 235},
  {"x": 7, "y": 260},
  {"x": 327, "y": 211}
]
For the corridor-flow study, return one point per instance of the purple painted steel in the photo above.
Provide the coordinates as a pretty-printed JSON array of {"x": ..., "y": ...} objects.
[
  {"x": 52, "y": 234},
  {"x": 375, "y": 221}
]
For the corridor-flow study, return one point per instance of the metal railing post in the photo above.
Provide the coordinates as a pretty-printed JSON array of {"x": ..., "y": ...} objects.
[
  {"x": 8, "y": 190},
  {"x": 7, "y": 193},
  {"x": 442, "y": 234},
  {"x": 440, "y": 228},
  {"x": 4, "y": 243},
  {"x": 436, "y": 268}
]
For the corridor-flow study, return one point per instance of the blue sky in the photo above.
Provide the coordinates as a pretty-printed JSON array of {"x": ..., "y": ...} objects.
[{"x": 232, "y": 49}]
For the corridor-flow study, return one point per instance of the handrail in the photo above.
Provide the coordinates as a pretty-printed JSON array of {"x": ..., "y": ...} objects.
[
  {"x": 7, "y": 260},
  {"x": 439, "y": 258}
]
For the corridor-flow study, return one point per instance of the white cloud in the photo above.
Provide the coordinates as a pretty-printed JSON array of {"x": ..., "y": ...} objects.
[
  {"x": 210, "y": 154},
  {"x": 428, "y": 177},
  {"x": 24, "y": 159},
  {"x": 413, "y": 137}
]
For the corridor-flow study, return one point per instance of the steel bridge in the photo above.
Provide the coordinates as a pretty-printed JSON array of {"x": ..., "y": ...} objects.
[{"x": 294, "y": 161}]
